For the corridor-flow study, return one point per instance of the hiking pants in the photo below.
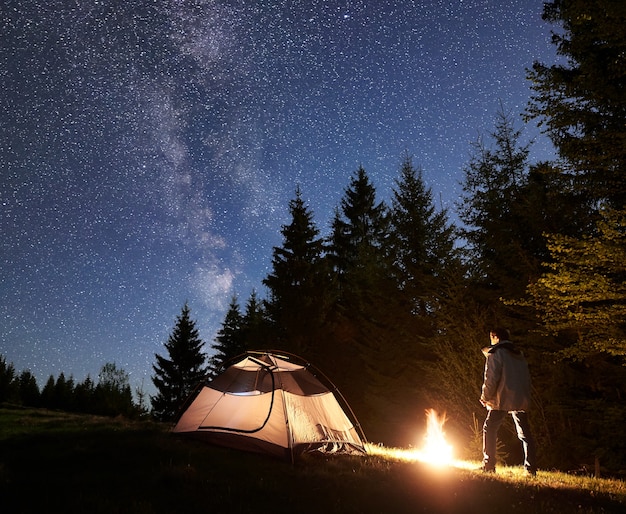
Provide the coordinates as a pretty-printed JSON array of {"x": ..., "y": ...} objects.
[{"x": 490, "y": 436}]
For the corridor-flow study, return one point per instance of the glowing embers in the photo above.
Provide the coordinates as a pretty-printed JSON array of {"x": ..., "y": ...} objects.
[{"x": 436, "y": 450}]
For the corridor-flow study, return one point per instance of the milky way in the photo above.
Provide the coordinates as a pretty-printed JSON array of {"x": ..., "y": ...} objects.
[{"x": 149, "y": 149}]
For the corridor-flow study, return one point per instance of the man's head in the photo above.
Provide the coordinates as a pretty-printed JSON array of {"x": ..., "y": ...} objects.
[{"x": 499, "y": 334}]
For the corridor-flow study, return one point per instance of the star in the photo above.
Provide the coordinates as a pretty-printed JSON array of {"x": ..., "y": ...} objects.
[{"x": 149, "y": 149}]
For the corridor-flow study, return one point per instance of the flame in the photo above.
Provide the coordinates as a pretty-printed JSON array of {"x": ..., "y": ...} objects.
[{"x": 436, "y": 449}]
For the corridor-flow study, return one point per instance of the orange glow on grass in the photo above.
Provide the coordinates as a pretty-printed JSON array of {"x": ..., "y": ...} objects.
[{"x": 436, "y": 449}]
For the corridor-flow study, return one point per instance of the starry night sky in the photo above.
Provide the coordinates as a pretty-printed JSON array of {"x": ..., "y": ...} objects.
[{"x": 149, "y": 149}]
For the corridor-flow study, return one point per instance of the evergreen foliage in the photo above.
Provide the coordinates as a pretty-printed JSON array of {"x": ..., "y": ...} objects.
[
  {"x": 359, "y": 229},
  {"x": 493, "y": 181},
  {"x": 579, "y": 298},
  {"x": 28, "y": 390},
  {"x": 84, "y": 394},
  {"x": 256, "y": 326},
  {"x": 370, "y": 320},
  {"x": 229, "y": 340},
  {"x": 583, "y": 106},
  {"x": 421, "y": 242},
  {"x": 582, "y": 101},
  {"x": 177, "y": 375},
  {"x": 110, "y": 397},
  {"x": 63, "y": 392},
  {"x": 48, "y": 398},
  {"x": 7, "y": 381},
  {"x": 298, "y": 284}
]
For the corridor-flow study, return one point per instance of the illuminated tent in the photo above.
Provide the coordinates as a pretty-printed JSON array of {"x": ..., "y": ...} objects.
[{"x": 272, "y": 403}]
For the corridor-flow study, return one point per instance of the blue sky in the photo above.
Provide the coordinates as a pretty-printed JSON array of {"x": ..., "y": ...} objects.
[{"x": 149, "y": 149}]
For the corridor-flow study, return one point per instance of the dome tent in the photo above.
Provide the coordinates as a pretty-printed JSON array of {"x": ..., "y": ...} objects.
[{"x": 272, "y": 402}]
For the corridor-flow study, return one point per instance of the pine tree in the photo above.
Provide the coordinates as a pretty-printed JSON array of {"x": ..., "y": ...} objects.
[
  {"x": 298, "y": 299},
  {"x": 493, "y": 181},
  {"x": 28, "y": 389},
  {"x": 421, "y": 240},
  {"x": 84, "y": 395},
  {"x": 8, "y": 389},
  {"x": 256, "y": 325},
  {"x": 64, "y": 392},
  {"x": 365, "y": 318},
  {"x": 582, "y": 102},
  {"x": 48, "y": 397},
  {"x": 176, "y": 377},
  {"x": 229, "y": 340},
  {"x": 359, "y": 228}
]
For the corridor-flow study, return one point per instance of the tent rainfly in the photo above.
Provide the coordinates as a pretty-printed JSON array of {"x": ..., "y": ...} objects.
[{"x": 273, "y": 403}]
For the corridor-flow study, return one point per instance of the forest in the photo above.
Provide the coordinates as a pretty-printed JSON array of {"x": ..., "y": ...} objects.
[{"x": 397, "y": 301}]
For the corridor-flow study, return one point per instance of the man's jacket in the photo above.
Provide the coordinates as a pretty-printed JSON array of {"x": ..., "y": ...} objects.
[{"x": 506, "y": 383}]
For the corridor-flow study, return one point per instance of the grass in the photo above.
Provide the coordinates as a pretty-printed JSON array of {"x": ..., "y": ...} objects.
[{"x": 57, "y": 462}]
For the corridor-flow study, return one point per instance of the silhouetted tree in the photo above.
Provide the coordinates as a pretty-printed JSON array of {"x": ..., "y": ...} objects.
[
  {"x": 581, "y": 101},
  {"x": 28, "y": 389},
  {"x": 365, "y": 314},
  {"x": 112, "y": 394},
  {"x": 48, "y": 396},
  {"x": 493, "y": 180},
  {"x": 8, "y": 389},
  {"x": 142, "y": 406},
  {"x": 582, "y": 105},
  {"x": 84, "y": 393},
  {"x": 256, "y": 331},
  {"x": 421, "y": 242},
  {"x": 229, "y": 340},
  {"x": 359, "y": 230},
  {"x": 176, "y": 377},
  {"x": 64, "y": 393},
  {"x": 298, "y": 283}
]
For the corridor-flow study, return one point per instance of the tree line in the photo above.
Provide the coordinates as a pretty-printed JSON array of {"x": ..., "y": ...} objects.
[
  {"x": 395, "y": 303},
  {"x": 111, "y": 395}
]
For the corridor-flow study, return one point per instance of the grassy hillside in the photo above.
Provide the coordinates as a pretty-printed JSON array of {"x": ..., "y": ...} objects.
[{"x": 56, "y": 462}]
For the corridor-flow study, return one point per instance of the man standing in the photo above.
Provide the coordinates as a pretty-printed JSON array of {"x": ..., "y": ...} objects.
[{"x": 506, "y": 389}]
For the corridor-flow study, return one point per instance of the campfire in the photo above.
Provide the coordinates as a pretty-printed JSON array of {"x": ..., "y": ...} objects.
[{"x": 436, "y": 450}]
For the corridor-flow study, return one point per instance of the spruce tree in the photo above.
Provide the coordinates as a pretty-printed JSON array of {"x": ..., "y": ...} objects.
[
  {"x": 256, "y": 331},
  {"x": 494, "y": 179},
  {"x": 48, "y": 397},
  {"x": 421, "y": 241},
  {"x": 229, "y": 340},
  {"x": 365, "y": 318},
  {"x": 582, "y": 105},
  {"x": 359, "y": 228},
  {"x": 176, "y": 376},
  {"x": 28, "y": 389},
  {"x": 64, "y": 392},
  {"x": 297, "y": 283},
  {"x": 581, "y": 102},
  {"x": 8, "y": 388},
  {"x": 84, "y": 395}
]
